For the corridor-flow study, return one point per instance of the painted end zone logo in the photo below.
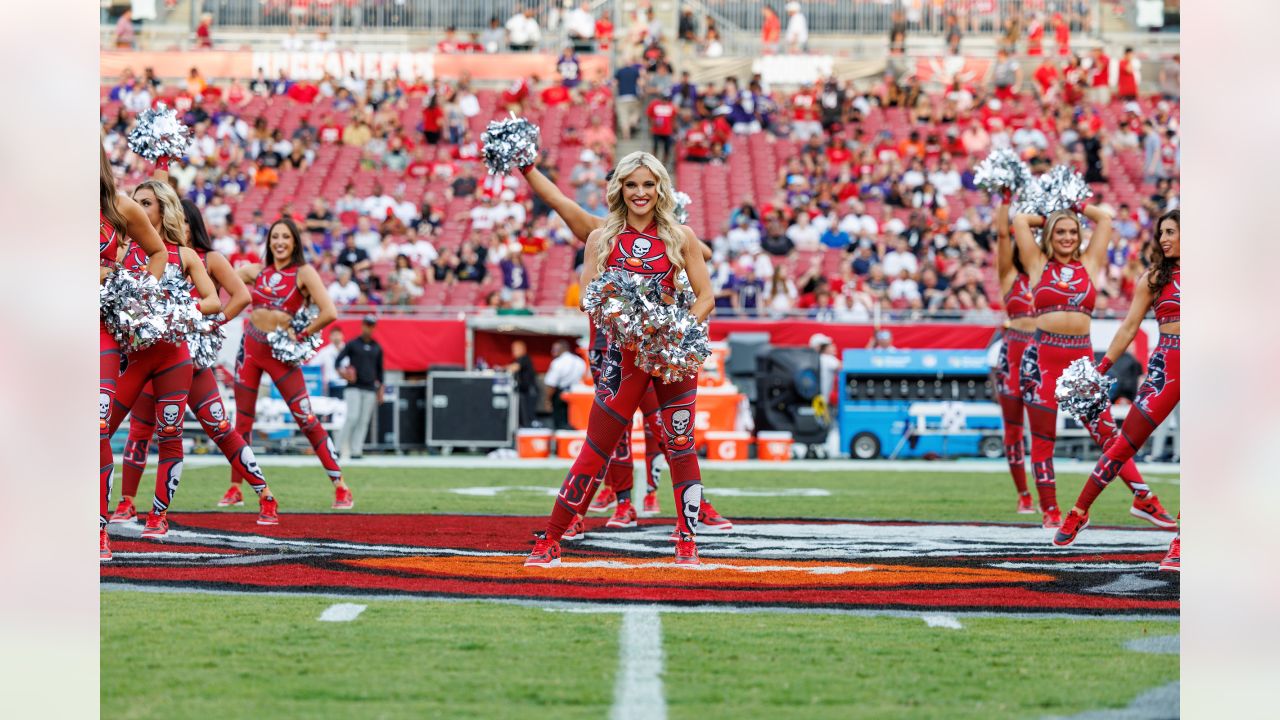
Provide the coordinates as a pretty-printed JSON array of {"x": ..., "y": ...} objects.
[{"x": 792, "y": 563}]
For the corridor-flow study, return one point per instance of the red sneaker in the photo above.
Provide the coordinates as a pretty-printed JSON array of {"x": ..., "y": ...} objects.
[
  {"x": 104, "y": 546},
  {"x": 342, "y": 499},
  {"x": 1025, "y": 506},
  {"x": 650, "y": 506},
  {"x": 1071, "y": 527},
  {"x": 604, "y": 498},
  {"x": 125, "y": 512},
  {"x": 709, "y": 519},
  {"x": 686, "y": 550},
  {"x": 232, "y": 497},
  {"x": 1171, "y": 563},
  {"x": 545, "y": 553},
  {"x": 1053, "y": 518},
  {"x": 157, "y": 525},
  {"x": 624, "y": 516},
  {"x": 575, "y": 531},
  {"x": 1149, "y": 508},
  {"x": 268, "y": 511}
]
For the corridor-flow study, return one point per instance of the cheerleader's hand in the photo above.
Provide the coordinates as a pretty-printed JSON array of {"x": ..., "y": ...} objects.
[{"x": 1104, "y": 365}]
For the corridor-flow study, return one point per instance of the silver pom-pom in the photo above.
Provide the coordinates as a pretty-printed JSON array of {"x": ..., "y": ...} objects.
[
  {"x": 630, "y": 309},
  {"x": 1082, "y": 392},
  {"x": 1002, "y": 170},
  {"x": 683, "y": 201},
  {"x": 289, "y": 350},
  {"x": 511, "y": 143},
  {"x": 159, "y": 133},
  {"x": 206, "y": 343},
  {"x": 140, "y": 311},
  {"x": 1059, "y": 189}
]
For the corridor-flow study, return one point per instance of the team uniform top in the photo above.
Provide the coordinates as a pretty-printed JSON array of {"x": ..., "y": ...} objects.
[
  {"x": 1169, "y": 301},
  {"x": 1064, "y": 288},
  {"x": 136, "y": 258},
  {"x": 643, "y": 253},
  {"x": 277, "y": 289},
  {"x": 108, "y": 241},
  {"x": 1017, "y": 303}
]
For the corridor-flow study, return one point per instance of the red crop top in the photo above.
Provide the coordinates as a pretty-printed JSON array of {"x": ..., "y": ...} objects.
[
  {"x": 108, "y": 241},
  {"x": 1017, "y": 303},
  {"x": 135, "y": 258},
  {"x": 1169, "y": 302},
  {"x": 643, "y": 253},
  {"x": 277, "y": 290},
  {"x": 1064, "y": 288}
]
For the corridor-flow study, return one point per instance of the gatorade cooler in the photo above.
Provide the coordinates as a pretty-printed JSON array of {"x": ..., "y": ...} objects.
[
  {"x": 775, "y": 446},
  {"x": 637, "y": 444},
  {"x": 569, "y": 443},
  {"x": 533, "y": 443},
  {"x": 726, "y": 445}
]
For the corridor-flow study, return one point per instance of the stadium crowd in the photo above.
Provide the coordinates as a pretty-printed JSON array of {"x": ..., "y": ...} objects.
[{"x": 881, "y": 177}]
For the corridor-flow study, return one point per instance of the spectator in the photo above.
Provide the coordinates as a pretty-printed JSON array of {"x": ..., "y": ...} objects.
[
  {"x": 627, "y": 83},
  {"x": 343, "y": 289},
  {"x": 780, "y": 293},
  {"x": 771, "y": 30},
  {"x": 444, "y": 269},
  {"x": 364, "y": 392},
  {"x": 581, "y": 27},
  {"x": 124, "y": 30},
  {"x": 515, "y": 280},
  {"x": 244, "y": 255},
  {"x": 662, "y": 125},
  {"x": 834, "y": 237},
  {"x": 903, "y": 291},
  {"x": 1170, "y": 79},
  {"x": 797, "y": 29},
  {"x": 1006, "y": 76},
  {"x": 882, "y": 339},
  {"x": 1130, "y": 69},
  {"x": 803, "y": 234},
  {"x": 204, "y": 32},
  {"x": 712, "y": 47},
  {"x": 470, "y": 267},
  {"x": 523, "y": 33},
  {"x": 566, "y": 370},
  {"x": 351, "y": 255},
  {"x": 335, "y": 385},
  {"x": 899, "y": 259},
  {"x": 521, "y": 368},
  {"x": 494, "y": 36}
]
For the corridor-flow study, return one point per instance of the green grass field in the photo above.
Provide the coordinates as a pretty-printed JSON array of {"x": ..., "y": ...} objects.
[{"x": 268, "y": 656}]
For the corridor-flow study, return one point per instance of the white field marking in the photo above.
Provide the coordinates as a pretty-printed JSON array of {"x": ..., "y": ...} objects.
[
  {"x": 466, "y": 462},
  {"x": 1075, "y": 567},
  {"x": 187, "y": 557},
  {"x": 666, "y": 564},
  {"x": 942, "y": 621},
  {"x": 342, "y": 612},
  {"x": 637, "y": 693},
  {"x": 579, "y": 606},
  {"x": 494, "y": 490}
]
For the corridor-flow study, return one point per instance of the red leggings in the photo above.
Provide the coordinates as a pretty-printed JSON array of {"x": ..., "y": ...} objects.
[
  {"x": 1011, "y": 405},
  {"x": 1042, "y": 364},
  {"x": 206, "y": 401},
  {"x": 108, "y": 376},
  {"x": 618, "y": 395},
  {"x": 1157, "y": 397},
  {"x": 167, "y": 368},
  {"x": 620, "y": 475},
  {"x": 255, "y": 358}
]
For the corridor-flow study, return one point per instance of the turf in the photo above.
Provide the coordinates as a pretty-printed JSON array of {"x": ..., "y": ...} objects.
[
  {"x": 843, "y": 667},
  {"x": 234, "y": 657},
  {"x": 987, "y": 497}
]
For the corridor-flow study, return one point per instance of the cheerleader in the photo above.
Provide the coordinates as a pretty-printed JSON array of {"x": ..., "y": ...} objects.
[
  {"x": 619, "y": 477},
  {"x": 205, "y": 397},
  {"x": 1159, "y": 290},
  {"x": 1016, "y": 289},
  {"x": 118, "y": 216},
  {"x": 165, "y": 366},
  {"x": 639, "y": 235},
  {"x": 1063, "y": 297},
  {"x": 279, "y": 288}
]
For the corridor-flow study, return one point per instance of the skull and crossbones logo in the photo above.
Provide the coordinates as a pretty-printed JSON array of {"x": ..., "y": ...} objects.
[
  {"x": 1065, "y": 278},
  {"x": 104, "y": 406},
  {"x": 273, "y": 280},
  {"x": 638, "y": 256},
  {"x": 169, "y": 417},
  {"x": 681, "y": 427},
  {"x": 304, "y": 409}
]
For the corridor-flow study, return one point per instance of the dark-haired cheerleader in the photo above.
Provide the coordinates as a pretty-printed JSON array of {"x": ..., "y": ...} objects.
[
  {"x": 1016, "y": 289},
  {"x": 1159, "y": 290},
  {"x": 1064, "y": 296},
  {"x": 279, "y": 288}
]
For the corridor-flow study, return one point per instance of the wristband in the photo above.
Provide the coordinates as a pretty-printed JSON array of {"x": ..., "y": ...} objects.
[
  {"x": 162, "y": 163},
  {"x": 524, "y": 169},
  {"x": 303, "y": 335},
  {"x": 1007, "y": 194},
  {"x": 1104, "y": 365}
]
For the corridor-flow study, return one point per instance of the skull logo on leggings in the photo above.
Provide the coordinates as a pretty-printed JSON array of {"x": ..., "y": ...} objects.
[
  {"x": 691, "y": 506},
  {"x": 104, "y": 406},
  {"x": 170, "y": 415},
  {"x": 679, "y": 425}
]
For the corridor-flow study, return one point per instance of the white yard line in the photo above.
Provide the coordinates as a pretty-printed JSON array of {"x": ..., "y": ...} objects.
[
  {"x": 342, "y": 612},
  {"x": 942, "y": 621},
  {"x": 638, "y": 694}
]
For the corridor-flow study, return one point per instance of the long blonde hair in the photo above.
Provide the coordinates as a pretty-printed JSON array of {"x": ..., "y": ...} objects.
[
  {"x": 173, "y": 222},
  {"x": 108, "y": 203},
  {"x": 1046, "y": 237},
  {"x": 663, "y": 210}
]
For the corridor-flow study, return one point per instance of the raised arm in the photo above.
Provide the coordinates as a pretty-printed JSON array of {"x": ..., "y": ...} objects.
[
  {"x": 1095, "y": 256},
  {"x": 227, "y": 278},
  {"x": 139, "y": 228},
  {"x": 310, "y": 280},
  {"x": 1128, "y": 330},
  {"x": 589, "y": 259},
  {"x": 1005, "y": 270},
  {"x": 699, "y": 279},
  {"x": 579, "y": 221},
  {"x": 191, "y": 265},
  {"x": 1022, "y": 235}
]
